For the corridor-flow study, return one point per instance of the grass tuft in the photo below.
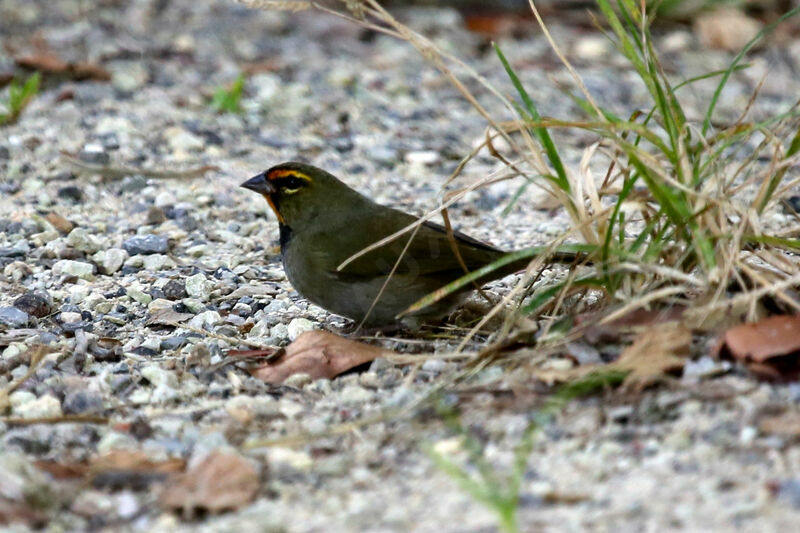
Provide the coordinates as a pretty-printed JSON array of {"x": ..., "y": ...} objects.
[
  {"x": 229, "y": 99},
  {"x": 19, "y": 96},
  {"x": 477, "y": 476}
]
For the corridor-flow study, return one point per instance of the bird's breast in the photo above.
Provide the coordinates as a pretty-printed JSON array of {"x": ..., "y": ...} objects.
[{"x": 285, "y": 237}]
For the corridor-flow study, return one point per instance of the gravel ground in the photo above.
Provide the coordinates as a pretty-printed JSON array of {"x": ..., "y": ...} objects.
[{"x": 87, "y": 262}]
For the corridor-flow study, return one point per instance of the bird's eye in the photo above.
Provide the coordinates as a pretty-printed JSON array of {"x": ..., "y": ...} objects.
[{"x": 291, "y": 185}]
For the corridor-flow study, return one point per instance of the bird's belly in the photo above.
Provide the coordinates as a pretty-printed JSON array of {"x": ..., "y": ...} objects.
[{"x": 354, "y": 297}]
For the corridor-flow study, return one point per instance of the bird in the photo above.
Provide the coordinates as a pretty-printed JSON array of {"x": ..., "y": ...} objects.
[{"x": 323, "y": 222}]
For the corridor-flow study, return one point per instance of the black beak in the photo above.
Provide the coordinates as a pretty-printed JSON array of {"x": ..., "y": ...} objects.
[{"x": 260, "y": 184}]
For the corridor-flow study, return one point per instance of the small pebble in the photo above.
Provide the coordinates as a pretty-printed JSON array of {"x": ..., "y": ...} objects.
[
  {"x": 74, "y": 268},
  {"x": 83, "y": 402},
  {"x": 94, "y": 154},
  {"x": 298, "y": 326},
  {"x": 199, "y": 287},
  {"x": 13, "y": 317},
  {"x": 174, "y": 289},
  {"x": 146, "y": 244},
  {"x": 44, "y": 407},
  {"x": 426, "y": 157}
]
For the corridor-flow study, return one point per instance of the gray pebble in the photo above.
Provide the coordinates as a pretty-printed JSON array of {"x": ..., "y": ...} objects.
[
  {"x": 82, "y": 402},
  {"x": 74, "y": 268},
  {"x": 146, "y": 244},
  {"x": 13, "y": 317},
  {"x": 383, "y": 155},
  {"x": 174, "y": 289},
  {"x": 18, "y": 249},
  {"x": 789, "y": 491},
  {"x": 94, "y": 154}
]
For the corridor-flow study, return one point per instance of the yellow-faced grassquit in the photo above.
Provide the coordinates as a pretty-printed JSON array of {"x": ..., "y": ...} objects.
[{"x": 323, "y": 222}]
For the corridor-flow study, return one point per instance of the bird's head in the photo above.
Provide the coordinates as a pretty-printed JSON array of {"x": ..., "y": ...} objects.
[{"x": 299, "y": 193}]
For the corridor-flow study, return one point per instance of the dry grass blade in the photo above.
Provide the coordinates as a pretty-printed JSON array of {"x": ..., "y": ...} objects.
[
  {"x": 673, "y": 219},
  {"x": 564, "y": 60},
  {"x": 657, "y": 351},
  {"x": 388, "y": 278},
  {"x": 389, "y": 238},
  {"x": 277, "y": 5},
  {"x": 37, "y": 354}
]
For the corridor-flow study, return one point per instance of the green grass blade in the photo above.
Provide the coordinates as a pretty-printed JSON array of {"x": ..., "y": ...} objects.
[
  {"x": 779, "y": 242},
  {"x": 463, "y": 281},
  {"x": 777, "y": 177},
  {"x": 548, "y": 293},
  {"x": 19, "y": 96},
  {"x": 229, "y": 99},
  {"x": 533, "y": 114},
  {"x": 724, "y": 81}
]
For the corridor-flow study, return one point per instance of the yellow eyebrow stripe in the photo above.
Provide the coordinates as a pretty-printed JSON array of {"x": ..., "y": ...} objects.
[{"x": 282, "y": 173}]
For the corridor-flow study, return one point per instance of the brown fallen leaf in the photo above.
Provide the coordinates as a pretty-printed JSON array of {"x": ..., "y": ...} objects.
[
  {"x": 131, "y": 469},
  {"x": 49, "y": 63},
  {"x": 319, "y": 354},
  {"x": 133, "y": 460},
  {"x": 222, "y": 481},
  {"x": 60, "y": 223},
  {"x": 116, "y": 470},
  {"x": 62, "y": 470},
  {"x": 494, "y": 24},
  {"x": 785, "y": 425},
  {"x": 628, "y": 323},
  {"x": 555, "y": 497},
  {"x": 656, "y": 351},
  {"x": 770, "y": 347},
  {"x": 166, "y": 317}
]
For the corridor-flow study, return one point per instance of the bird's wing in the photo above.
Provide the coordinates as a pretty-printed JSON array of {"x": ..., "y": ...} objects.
[{"x": 430, "y": 252}]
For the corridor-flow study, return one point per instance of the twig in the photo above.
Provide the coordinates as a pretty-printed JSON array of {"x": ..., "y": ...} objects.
[
  {"x": 118, "y": 172},
  {"x": 64, "y": 419}
]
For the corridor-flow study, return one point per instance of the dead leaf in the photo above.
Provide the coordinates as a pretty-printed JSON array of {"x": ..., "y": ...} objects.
[
  {"x": 726, "y": 29},
  {"x": 494, "y": 24},
  {"x": 784, "y": 425},
  {"x": 133, "y": 460},
  {"x": 115, "y": 470},
  {"x": 264, "y": 65},
  {"x": 130, "y": 469},
  {"x": 222, "y": 481},
  {"x": 50, "y": 63},
  {"x": 319, "y": 354},
  {"x": 62, "y": 470},
  {"x": 656, "y": 351},
  {"x": 88, "y": 71},
  {"x": 765, "y": 339},
  {"x": 555, "y": 497},
  {"x": 166, "y": 316},
  {"x": 769, "y": 347},
  {"x": 630, "y": 322},
  {"x": 43, "y": 61},
  {"x": 60, "y": 223}
]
